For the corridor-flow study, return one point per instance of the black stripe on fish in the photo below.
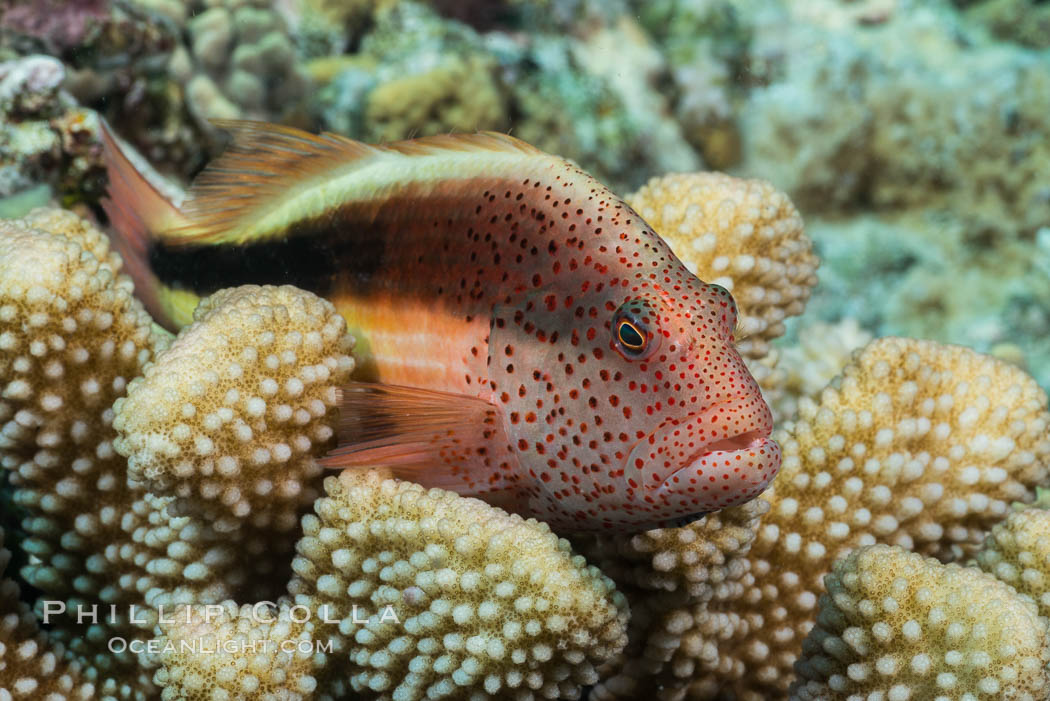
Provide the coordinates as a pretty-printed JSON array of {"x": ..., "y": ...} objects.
[{"x": 306, "y": 258}]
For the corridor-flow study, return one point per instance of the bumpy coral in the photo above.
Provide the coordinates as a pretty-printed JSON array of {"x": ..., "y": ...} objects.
[
  {"x": 71, "y": 336},
  {"x": 695, "y": 559},
  {"x": 895, "y": 625},
  {"x": 30, "y": 666},
  {"x": 674, "y": 579},
  {"x": 918, "y": 444},
  {"x": 488, "y": 605},
  {"x": 229, "y": 417},
  {"x": 742, "y": 234},
  {"x": 238, "y": 653},
  {"x": 803, "y": 369},
  {"x": 1017, "y": 551}
]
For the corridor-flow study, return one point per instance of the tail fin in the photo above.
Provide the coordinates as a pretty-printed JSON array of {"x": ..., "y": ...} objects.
[{"x": 137, "y": 212}]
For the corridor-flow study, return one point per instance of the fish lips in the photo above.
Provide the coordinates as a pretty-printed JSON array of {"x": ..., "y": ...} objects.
[
  {"x": 690, "y": 475},
  {"x": 731, "y": 475}
]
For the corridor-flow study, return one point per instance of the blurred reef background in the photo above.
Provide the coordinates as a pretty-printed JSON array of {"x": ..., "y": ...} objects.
[{"x": 913, "y": 136}]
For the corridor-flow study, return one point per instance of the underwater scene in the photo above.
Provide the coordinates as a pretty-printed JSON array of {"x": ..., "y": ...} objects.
[{"x": 407, "y": 350}]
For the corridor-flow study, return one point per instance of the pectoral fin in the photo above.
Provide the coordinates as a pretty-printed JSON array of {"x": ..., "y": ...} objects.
[{"x": 437, "y": 439}]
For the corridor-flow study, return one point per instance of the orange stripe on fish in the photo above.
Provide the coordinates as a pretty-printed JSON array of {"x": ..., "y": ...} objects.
[{"x": 526, "y": 335}]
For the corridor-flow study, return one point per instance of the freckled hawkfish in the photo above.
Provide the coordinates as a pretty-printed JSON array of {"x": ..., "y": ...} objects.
[{"x": 523, "y": 336}]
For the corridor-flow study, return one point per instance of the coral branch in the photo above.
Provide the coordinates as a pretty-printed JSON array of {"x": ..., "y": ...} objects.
[
  {"x": 490, "y": 606},
  {"x": 896, "y": 625}
]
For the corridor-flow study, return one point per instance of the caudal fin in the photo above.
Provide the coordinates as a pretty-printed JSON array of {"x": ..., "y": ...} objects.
[{"x": 137, "y": 212}]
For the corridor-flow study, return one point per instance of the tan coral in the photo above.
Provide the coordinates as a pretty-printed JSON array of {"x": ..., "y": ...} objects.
[
  {"x": 919, "y": 444},
  {"x": 30, "y": 666},
  {"x": 227, "y": 652},
  {"x": 71, "y": 337},
  {"x": 897, "y": 626},
  {"x": 742, "y": 234},
  {"x": 694, "y": 559},
  {"x": 1017, "y": 551},
  {"x": 488, "y": 605},
  {"x": 803, "y": 369},
  {"x": 673, "y": 577},
  {"x": 66, "y": 224},
  {"x": 230, "y": 418}
]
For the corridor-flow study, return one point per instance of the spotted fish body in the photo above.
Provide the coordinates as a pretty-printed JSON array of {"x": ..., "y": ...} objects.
[{"x": 524, "y": 335}]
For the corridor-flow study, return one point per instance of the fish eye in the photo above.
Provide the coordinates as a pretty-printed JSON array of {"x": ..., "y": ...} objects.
[{"x": 632, "y": 334}]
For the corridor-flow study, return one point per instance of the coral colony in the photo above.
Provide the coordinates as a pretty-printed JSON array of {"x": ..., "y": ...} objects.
[{"x": 169, "y": 530}]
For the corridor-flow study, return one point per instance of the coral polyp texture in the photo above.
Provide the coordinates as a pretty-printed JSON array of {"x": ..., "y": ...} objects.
[
  {"x": 1017, "y": 551},
  {"x": 896, "y": 625},
  {"x": 802, "y": 370},
  {"x": 743, "y": 234},
  {"x": 676, "y": 580},
  {"x": 228, "y": 423},
  {"x": 491, "y": 606},
  {"x": 917, "y": 444},
  {"x": 920, "y": 445},
  {"x": 31, "y": 666},
  {"x": 71, "y": 337},
  {"x": 253, "y": 652},
  {"x": 150, "y": 470},
  {"x": 230, "y": 416}
]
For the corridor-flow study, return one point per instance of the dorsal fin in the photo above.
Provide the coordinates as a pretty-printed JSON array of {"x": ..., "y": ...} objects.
[{"x": 267, "y": 164}]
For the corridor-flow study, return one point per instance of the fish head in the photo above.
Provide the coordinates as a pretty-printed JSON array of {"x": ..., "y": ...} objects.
[
  {"x": 704, "y": 440},
  {"x": 629, "y": 405}
]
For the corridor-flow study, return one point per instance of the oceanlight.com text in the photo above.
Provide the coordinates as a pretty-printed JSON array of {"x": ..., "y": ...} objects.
[{"x": 202, "y": 646}]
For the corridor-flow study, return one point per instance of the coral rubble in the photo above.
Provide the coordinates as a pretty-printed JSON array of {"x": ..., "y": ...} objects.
[
  {"x": 916, "y": 146},
  {"x": 47, "y": 142},
  {"x": 416, "y": 73}
]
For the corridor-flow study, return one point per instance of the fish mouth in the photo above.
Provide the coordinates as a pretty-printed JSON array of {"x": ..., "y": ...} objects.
[
  {"x": 744, "y": 441},
  {"x": 718, "y": 457},
  {"x": 723, "y": 452}
]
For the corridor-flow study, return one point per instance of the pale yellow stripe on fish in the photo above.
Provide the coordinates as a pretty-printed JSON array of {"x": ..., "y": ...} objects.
[{"x": 271, "y": 178}]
